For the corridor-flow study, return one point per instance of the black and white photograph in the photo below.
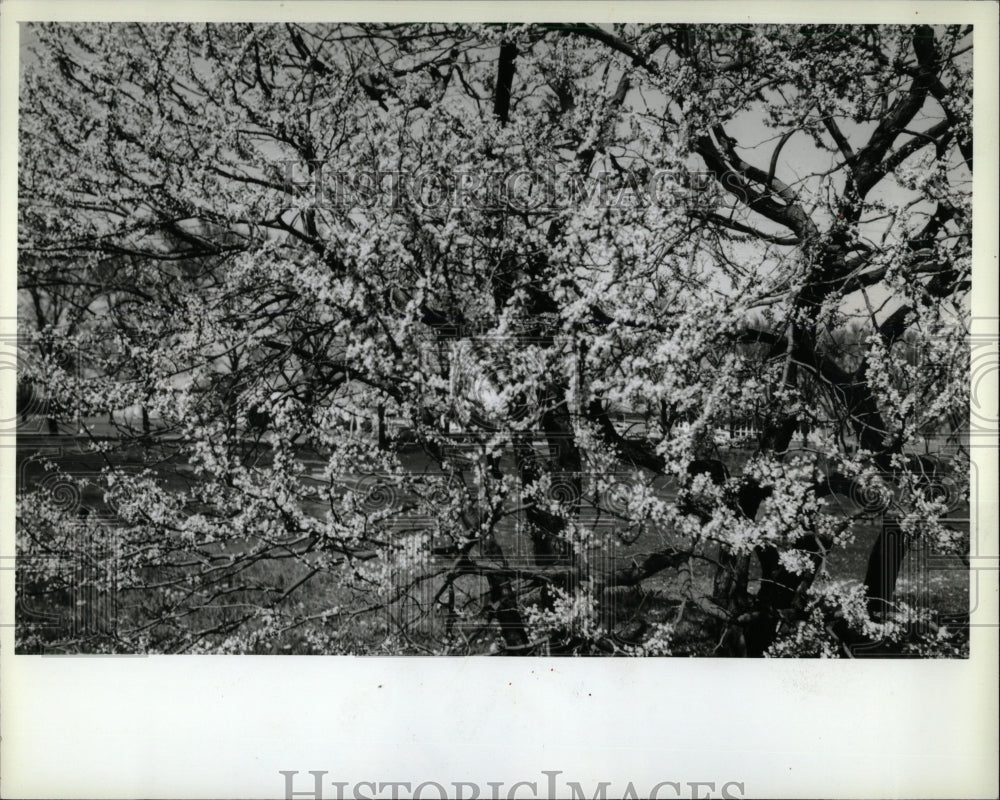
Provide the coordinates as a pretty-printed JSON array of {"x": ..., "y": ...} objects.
[
  {"x": 522, "y": 340},
  {"x": 549, "y": 339}
]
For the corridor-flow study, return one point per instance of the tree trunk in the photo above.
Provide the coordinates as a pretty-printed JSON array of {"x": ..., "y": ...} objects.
[
  {"x": 729, "y": 591},
  {"x": 884, "y": 563}
]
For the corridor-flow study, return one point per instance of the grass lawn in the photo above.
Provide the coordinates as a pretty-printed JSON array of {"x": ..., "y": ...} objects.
[{"x": 927, "y": 580}]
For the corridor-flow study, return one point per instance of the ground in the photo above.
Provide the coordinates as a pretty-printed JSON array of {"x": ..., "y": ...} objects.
[{"x": 927, "y": 580}]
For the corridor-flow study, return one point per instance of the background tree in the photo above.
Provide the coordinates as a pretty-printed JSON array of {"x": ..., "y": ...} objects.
[{"x": 498, "y": 235}]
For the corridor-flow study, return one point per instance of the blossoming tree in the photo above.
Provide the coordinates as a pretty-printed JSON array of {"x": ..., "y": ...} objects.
[{"x": 440, "y": 334}]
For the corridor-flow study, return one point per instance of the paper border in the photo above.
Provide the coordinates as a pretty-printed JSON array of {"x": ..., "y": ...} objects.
[{"x": 215, "y": 726}]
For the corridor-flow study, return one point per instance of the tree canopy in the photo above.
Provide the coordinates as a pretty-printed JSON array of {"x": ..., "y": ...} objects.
[{"x": 522, "y": 339}]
